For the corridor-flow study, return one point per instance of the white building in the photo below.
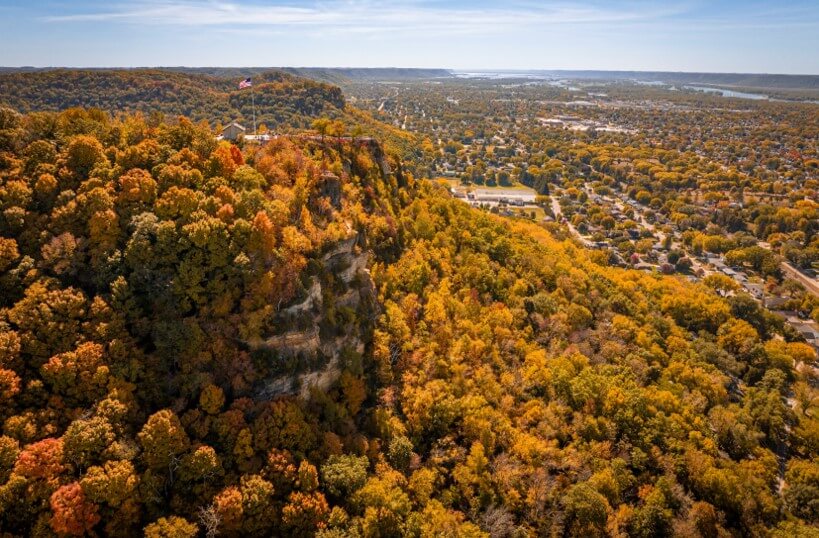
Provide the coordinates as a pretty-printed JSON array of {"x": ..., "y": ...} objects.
[{"x": 233, "y": 131}]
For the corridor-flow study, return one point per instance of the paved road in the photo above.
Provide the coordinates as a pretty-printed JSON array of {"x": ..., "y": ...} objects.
[
  {"x": 810, "y": 283},
  {"x": 558, "y": 214},
  {"x": 556, "y": 207}
]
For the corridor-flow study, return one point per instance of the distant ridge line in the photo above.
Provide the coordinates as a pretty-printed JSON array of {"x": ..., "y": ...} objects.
[{"x": 347, "y": 74}]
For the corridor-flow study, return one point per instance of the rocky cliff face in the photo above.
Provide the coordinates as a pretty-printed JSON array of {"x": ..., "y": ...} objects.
[{"x": 329, "y": 317}]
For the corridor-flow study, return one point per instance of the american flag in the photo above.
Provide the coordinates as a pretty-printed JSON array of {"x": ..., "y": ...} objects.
[{"x": 246, "y": 83}]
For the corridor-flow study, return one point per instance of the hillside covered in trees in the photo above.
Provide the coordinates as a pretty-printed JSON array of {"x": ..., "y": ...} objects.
[
  {"x": 282, "y": 100},
  {"x": 301, "y": 339},
  {"x": 332, "y": 75}
]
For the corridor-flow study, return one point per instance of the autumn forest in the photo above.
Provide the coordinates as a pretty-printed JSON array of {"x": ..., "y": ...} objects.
[{"x": 313, "y": 335}]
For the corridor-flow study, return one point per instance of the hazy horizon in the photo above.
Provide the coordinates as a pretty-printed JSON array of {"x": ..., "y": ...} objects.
[
  {"x": 377, "y": 67},
  {"x": 679, "y": 36}
]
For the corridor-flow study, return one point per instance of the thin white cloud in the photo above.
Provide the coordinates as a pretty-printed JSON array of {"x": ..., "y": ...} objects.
[{"x": 366, "y": 16}]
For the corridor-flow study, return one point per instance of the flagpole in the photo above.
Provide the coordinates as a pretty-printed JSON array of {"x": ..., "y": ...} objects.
[{"x": 253, "y": 100}]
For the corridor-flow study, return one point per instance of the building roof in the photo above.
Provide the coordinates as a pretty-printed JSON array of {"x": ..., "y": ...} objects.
[{"x": 233, "y": 124}]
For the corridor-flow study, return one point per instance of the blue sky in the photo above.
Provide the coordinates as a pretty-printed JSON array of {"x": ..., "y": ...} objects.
[{"x": 685, "y": 35}]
